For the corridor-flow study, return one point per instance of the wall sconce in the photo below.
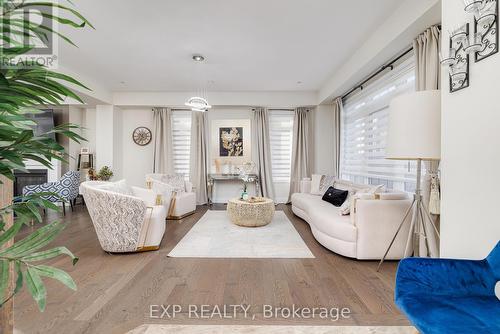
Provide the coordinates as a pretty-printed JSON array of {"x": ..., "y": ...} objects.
[
  {"x": 485, "y": 39},
  {"x": 457, "y": 60}
]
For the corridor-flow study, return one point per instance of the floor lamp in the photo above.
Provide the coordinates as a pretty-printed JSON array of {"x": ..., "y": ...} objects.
[{"x": 415, "y": 134}]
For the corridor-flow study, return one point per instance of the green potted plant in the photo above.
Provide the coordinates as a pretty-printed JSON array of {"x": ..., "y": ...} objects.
[
  {"x": 24, "y": 88},
  {"x": 105, "y": 174}
]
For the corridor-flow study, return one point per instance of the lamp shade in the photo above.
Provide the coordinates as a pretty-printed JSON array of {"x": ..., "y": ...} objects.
[{"x": 415, "y": 126}]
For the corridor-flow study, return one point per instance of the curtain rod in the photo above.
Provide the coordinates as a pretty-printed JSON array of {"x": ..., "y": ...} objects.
[{"x": 380, "y": 70}]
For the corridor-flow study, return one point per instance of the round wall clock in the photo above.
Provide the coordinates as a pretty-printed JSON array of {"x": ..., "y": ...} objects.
[{"x": 142, "y": 136}]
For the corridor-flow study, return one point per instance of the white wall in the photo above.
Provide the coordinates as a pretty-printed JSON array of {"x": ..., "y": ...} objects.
[
  {"x": 470, "y": 224},
  {"x": 392, "y": 37},
  {"x": 89, "y": 127},
  {"x": 75, "y": 117},
  {"x": 136, "y": 161},
  {"x": 227, "y": 190},
  {"x": 104, "y": 140}
]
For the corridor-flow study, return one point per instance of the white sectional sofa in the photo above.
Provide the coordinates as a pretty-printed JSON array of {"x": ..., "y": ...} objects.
[{"x": 364, "y": 234}]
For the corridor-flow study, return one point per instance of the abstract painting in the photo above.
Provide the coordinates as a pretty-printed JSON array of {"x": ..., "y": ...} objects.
[{"x": 231, "y": 142}]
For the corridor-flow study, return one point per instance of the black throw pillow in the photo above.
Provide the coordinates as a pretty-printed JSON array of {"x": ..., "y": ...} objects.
[{"x": 335, "y": 196}]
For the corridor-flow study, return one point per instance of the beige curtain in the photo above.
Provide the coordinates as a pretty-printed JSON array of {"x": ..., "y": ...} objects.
[
  {"x": 263, "y": 147},
  {"x": 198, "y": 159},
  {"x": 163, "y": 141},
  {"x": 428, "y": 68},
  {"x": 428, "y": 77},
  {"x": 337, "y": 110},
  {"x": 302, "y": 164}
]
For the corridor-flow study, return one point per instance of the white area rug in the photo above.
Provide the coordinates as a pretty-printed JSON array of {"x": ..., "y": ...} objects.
[
  {"x": 184, "y": 329},
  {"x": 214, "y": 236}
]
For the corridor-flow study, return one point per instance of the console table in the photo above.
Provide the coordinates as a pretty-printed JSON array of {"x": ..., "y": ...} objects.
[{"x": 213, "y": 178}]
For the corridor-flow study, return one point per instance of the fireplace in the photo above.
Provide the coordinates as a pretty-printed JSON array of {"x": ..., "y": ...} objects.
[{"x": 33, "y": 176}]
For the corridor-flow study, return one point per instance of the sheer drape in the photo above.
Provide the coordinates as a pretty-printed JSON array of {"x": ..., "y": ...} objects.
[
  {"x": 337, "y": 111},
  {"x": 263, "y": 146},
  {"x": 198, "y": 161},
  {"x": 163, "y": 161},
  {"x": 428, "y": 77},
  {"x": 302, "y": 164}
]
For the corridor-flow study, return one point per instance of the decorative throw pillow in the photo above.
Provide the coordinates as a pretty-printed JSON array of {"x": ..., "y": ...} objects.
[
  {"x": 162, "y": 188},
  {"x": 316, "y": 183},
  {"x": 119, "y": 187},
  {"x": 345, "y": 208},
  {"x": 335, "y": 196},
  {"x": 326, "y": 182},
  {"x": 174, "y": 180}
]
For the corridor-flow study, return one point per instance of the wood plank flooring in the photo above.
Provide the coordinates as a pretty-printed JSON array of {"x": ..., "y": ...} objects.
[{"x": 115, "y": 291}]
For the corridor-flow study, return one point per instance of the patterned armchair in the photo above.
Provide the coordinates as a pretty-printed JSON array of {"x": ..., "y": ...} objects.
[
  {"x": 66, "y": 188},
  {"x": 125, "y": 219}
]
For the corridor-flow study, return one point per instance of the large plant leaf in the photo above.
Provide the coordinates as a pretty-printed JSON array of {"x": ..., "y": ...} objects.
[
  {"x": 10, "y": 233},
  {"x": 57, "y": 274},
  {"x": 38, "y": 239},
  {"x": 49, "y": 254},
  {"x": 4, "y": 279},
  {"x": 36, "y": 287}
]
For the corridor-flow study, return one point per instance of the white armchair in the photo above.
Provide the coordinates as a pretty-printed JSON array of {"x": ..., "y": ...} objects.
[
  {"x": 176, "y": 194},
  {"x": 125, "y": 221}
]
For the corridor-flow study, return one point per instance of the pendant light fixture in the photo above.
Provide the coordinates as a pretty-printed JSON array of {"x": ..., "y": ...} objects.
[{"x": 198, "y": 102}]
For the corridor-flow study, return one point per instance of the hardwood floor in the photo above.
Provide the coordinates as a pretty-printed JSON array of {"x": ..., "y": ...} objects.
[{"x": 115, "y": 291}]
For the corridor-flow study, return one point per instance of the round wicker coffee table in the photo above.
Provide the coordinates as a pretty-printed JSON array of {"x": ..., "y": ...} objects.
[{"x": 250, "y": 214}]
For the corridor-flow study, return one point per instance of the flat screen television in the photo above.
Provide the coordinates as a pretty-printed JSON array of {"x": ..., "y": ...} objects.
[{"x": 44, "y": 122}]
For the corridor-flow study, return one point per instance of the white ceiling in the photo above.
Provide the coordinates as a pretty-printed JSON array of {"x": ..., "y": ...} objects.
[{"x": 257, "y": 45}]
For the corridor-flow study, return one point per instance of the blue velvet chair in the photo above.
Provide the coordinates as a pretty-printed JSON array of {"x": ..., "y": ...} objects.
[
  {"x": 450, "y": 296},
  {"x": 66, "y": 188}
]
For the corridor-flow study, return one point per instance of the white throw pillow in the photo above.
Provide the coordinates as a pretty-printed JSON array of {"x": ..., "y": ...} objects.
[
  {"x": 345, "y": 208},
  {"x": 326, "y": 182},
  {"x": 176, "y": 181},
  {"x": 377, "y": 189},
  {"x": 315, "y": 184},
  {"x": 162, "y": 188},
  {"x": 120, "y": 187}
]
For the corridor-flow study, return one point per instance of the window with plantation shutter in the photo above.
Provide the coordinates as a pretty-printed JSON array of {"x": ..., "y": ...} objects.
[
  {"x": 281, "y": 134},
  {"x": 364, "y": 131},
  {"x": 181, "y": 133}
]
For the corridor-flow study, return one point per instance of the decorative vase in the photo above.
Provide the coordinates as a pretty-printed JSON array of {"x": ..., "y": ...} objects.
[
  {"x": 217, "y": 166},
  {"x": 244, "y": 196}
]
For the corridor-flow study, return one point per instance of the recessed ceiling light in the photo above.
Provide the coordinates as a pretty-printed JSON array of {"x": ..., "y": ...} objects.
[{"x": 198, "y": 57}]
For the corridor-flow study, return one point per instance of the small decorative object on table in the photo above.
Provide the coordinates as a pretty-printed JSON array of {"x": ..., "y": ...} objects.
[
  {"x": 244, "y": 172},
  {"x": 91, "y": 175},
  {"x": 254, "y": 199}
]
